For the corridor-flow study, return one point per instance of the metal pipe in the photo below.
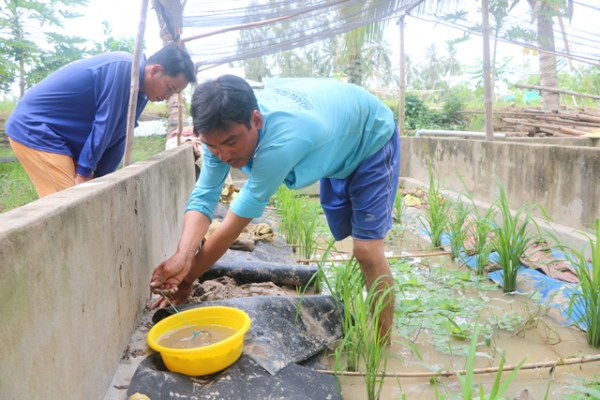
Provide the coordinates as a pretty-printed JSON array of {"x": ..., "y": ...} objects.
[{"x": 426, "y": 132}]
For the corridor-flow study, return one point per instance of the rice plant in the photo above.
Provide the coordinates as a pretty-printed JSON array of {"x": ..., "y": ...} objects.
[
  {"x": 457, "y": 227},
  {"x": 481, "y": 230},
  {"x": 306, "y": 221},
  {"x": 435, "y": 215},
  {"x": 588, "y": 291},
  {"x": 362, "y": 344},
  {"x": 512, "y": 237},
  {"x": 399, "y": 207},
  {"x": 289, "y": 210}
]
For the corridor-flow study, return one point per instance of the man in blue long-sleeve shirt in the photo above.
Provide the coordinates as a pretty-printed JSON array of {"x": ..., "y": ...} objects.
[{"x": 71, "y": 126}]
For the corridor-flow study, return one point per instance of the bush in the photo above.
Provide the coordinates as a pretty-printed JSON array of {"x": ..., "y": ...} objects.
[{"x": 419, "y": 116}]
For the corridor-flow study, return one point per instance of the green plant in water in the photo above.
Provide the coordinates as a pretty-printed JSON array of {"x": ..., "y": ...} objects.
[
  {"x": 467, "y": 383},
  {"x": 287, "y": 208},
  {"x": 457, "y": 227},
  {"x": 435, "y": 214},
  {"x": 362, "y": 343},
  {"x": 512, "y": 237},
  {"x": 588, "y": 291},
  {"x": 481, "y": 230},
  {"x": 307, "y": 222},
  {"x": 399, "y": 207},
  {"x": 588, "y": 389}
]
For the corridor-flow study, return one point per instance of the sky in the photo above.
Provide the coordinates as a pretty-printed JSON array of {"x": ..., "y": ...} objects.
[{"x": 123, "y": 16}]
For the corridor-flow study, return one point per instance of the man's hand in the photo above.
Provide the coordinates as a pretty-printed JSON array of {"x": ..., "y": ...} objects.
[
  {"x": 170, "y": 273},
  {"x": 81, "y": 179},
  {"x": 176, "y": 299}
]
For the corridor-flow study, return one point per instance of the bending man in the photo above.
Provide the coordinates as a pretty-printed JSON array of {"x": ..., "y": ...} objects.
[
  {"x": 295, "y": 134},
  {"x": 71, "y": 126}
]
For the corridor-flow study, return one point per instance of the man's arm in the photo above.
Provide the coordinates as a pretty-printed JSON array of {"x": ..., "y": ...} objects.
[
  {"x": 169, "y": 274},
  {"x": 176, "y": 275}
]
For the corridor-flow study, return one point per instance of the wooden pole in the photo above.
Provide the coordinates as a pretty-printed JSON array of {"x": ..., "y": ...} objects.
[
  {"x": 447, "y": 373},
  {"x": 135, "y": 83},
  {"x": 402, "y": 79},
  {"x": 412, "y": 255},
  {"x": 487, "y": 79},
  {"x": 555, "y": 90},
  {"x": 179, "y": 106}
]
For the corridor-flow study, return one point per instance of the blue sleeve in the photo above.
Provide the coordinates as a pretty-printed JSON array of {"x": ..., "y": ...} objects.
[
  {"x": 273, "y": 164},
  {"x": 207, "y": 191},
  {"x": 110, "y": 159},
  {"x": 112, "y": 97}
]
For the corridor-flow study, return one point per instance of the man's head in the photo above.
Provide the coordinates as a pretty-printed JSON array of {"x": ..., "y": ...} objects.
[
  {"x": 168, "y": 71},
  {"x": 227, "y": 119}
]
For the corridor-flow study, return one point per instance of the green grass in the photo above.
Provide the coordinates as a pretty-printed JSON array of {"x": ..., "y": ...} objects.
[
  {"x": 17, "y": 190},
  {"x": 147, "y": 146}
]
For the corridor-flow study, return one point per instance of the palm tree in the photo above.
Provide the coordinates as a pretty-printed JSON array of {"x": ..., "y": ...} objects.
[
  {"x": 542, "y": 12},
  {"x": 378, "y": 58}
]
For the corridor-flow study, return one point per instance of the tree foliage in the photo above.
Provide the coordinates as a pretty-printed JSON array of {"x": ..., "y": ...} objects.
[{"x": 26, "y": 32}]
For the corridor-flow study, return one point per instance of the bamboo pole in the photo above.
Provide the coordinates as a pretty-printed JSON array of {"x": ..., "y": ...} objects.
[
  {"x": 135, "y": 83},
  {"x": 424, "y": 254},
  {"x": 477, "y": 371},
  {"x": 555, "y": 90},
  {"x": 568, "y": 121},
  {"x": 179, "y": 105},
  {"x": 553, "y": 132},
  {"x": 402, "y": 78},
  {"x": 487, "y": 79}
]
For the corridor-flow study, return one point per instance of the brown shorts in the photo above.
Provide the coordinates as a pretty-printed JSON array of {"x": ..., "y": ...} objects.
[{"x": 49, "y": 172}]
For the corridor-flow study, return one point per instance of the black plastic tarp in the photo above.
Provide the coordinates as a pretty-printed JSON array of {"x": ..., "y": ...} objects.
[
  {"x": 276, "y": 337},
  {"x": 262, "y": 271},
  {"x": 245, "y": 379}
]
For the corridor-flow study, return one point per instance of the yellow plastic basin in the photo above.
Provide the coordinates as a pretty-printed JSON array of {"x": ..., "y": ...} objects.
[{"x": 208, "y": 359}]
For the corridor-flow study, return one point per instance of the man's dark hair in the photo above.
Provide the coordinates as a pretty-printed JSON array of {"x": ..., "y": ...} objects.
[
  {"x": 219, "y": 103},
  {"x": 174, "y": 59}
]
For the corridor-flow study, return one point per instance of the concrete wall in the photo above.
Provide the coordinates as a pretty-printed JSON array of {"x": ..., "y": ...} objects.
[
  {"x": 563, "y": 179},
  {"x": 74, "y": 274}
]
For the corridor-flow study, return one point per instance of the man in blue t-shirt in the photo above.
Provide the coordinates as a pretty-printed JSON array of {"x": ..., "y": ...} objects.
[
  {"x": 71, "y": 126},
  {"x": 296, "y": 134}
]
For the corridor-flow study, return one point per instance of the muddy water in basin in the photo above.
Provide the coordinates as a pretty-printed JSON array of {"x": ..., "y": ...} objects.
[{"x": 183, "y": 338}]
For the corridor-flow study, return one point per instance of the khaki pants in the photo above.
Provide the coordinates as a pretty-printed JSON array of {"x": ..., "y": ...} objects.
[{"x": 49, "y": 172}]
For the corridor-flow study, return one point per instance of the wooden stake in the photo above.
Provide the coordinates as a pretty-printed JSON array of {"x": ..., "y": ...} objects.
[
  {"x": 487, "y": 79},
  {"x": 135, "y": 83},
  {"x": 402, "y": 77}
]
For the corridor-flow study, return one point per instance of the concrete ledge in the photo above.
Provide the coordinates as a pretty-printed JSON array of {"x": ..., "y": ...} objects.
[
  {"x": 75, "y": 269},
  {"x": 562, "y": 179}
]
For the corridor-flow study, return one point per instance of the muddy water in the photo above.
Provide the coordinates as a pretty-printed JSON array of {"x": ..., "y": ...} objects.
[
  {"x": 183, "y": 338},
  {"x": 536, "y": 338}
]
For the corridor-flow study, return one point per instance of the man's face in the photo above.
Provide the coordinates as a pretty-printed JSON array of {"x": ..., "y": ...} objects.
[
  {"x": 235, "y": 146},
  {"x": 158, "y": 86}
]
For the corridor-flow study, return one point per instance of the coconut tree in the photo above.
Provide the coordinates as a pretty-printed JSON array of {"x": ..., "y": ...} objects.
[
  {"x": 379, "y": 60},
  {"x": 543, "y": 12}
]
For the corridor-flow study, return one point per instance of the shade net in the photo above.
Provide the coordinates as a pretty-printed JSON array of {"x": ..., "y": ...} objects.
[{"x": 309, "y": 21}]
